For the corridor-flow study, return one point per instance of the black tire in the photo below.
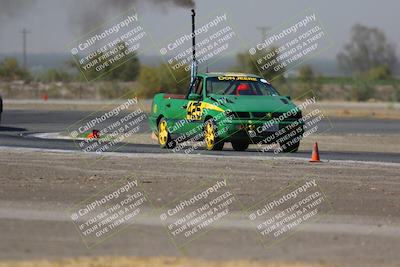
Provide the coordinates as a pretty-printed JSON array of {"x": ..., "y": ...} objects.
[
  {"x": 163, "y": 135},
  {"x": 219, "y": 146},
  {"x": 240, "y": 145},
  {"x": 211, "y": 139}
]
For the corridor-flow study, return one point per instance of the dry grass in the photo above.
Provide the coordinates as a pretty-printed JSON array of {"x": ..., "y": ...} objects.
[
  {"x": 150, "y": 262},
  {"x": 380, "y": 110}
]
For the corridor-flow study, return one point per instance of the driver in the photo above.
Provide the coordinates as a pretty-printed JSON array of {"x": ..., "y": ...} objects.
[{"x": 243, "y": 89}]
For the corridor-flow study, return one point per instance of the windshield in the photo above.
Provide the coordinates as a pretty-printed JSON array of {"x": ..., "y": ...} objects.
[{"x": 238, "y": 85}]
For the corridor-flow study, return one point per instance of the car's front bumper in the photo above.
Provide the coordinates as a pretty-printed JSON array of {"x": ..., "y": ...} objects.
[{"x": 260, "y": 131}]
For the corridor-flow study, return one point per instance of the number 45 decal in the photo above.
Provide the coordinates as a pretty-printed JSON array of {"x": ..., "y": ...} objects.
[{"x": 194, "y": 110}]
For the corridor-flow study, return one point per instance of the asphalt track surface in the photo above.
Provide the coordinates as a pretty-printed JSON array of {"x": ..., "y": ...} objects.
[{"x": 18, "y": 126}]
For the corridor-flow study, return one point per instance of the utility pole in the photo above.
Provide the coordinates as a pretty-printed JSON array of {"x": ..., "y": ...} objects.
[
  {"x": 24, "y": 33},
  {"x": 263, "y": 31}
]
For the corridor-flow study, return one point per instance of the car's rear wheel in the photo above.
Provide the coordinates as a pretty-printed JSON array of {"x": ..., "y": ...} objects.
[
  {"x": 211, "y": 137},
  {"x": 240, "y": 145},
  {"x": 164, "y": 137}
]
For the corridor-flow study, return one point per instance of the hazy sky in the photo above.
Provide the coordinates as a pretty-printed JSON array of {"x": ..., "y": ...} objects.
[{"x": 55, "y": 23}]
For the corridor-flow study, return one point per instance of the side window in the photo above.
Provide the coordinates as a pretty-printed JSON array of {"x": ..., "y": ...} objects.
[
  {"x": 193, "y": 88},
  {"x": 199, "y": 86}
]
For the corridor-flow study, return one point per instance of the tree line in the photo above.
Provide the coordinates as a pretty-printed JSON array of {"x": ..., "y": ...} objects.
[{"x": 368, "y": 56}]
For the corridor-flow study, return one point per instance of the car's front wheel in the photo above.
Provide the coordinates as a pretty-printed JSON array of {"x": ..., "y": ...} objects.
[
  {"x": 211, "y": 136},
  {"x": 164, "y": 137},
  {"x": 240, "y": 145}
]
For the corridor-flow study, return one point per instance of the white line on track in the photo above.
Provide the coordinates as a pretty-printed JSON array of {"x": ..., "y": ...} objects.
[{"x": 181, "y": 155}]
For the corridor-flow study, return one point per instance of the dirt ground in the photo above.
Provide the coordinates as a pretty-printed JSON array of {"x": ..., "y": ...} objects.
[
  {"x": 147, "y": 262},
  {"x": 37, "y": 187}
]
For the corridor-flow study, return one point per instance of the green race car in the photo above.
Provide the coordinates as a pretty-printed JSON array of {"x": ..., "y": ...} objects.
[{"x": 227, "y": 107}]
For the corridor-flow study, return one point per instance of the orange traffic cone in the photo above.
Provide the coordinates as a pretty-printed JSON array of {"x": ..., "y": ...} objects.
[{"x": 315, "y": 154}]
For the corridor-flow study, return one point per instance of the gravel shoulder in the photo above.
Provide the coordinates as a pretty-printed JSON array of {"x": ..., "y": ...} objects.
[{"x": 36, "y": 188}]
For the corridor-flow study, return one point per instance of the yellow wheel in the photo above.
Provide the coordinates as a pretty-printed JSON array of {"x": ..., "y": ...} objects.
[
  {"x": 164, "y": 137},
  {"x": 210, "y": 136}
]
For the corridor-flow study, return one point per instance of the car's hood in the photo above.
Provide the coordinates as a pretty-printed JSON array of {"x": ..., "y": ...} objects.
[{"x": 254, "y": 103}]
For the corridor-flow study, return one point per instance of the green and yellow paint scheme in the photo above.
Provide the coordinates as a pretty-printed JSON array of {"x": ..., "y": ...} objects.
[{"x": 223, "y": 107}]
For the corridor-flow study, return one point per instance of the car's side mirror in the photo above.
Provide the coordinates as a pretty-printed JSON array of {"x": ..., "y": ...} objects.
[
  {"x": 194, "y": 97},
  {"x": 288, "y": 97}
]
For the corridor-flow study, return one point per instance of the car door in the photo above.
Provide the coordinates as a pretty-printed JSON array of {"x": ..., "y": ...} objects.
[
  {"x": 175, "y": 112},
  {"x": 180, "y": 112},
  {"x": 194, "y": 108}
]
